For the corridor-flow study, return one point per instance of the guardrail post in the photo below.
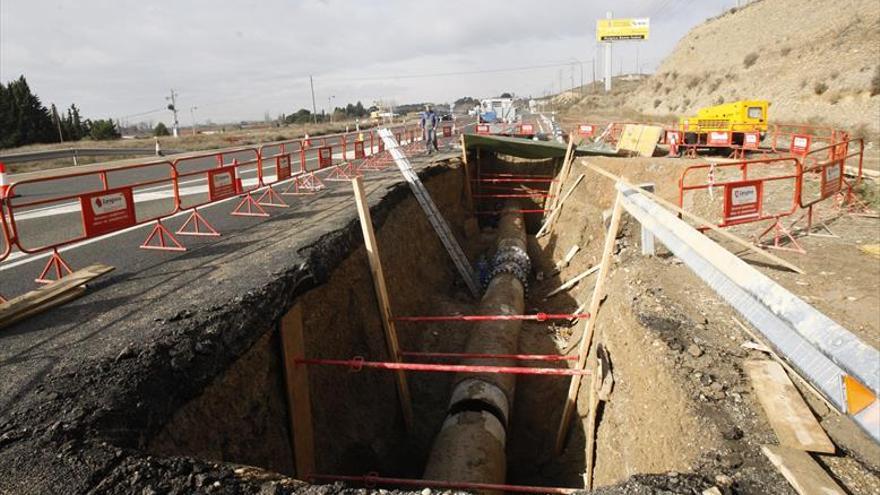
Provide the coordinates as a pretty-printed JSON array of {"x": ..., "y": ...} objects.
[{"x": 647, "y": 238}]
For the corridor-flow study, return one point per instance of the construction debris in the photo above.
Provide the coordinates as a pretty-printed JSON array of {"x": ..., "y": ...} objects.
[{"x": 801, "y": 471}]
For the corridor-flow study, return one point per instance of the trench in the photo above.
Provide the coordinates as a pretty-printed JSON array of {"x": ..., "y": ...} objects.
[{"x": 242, "y": 416}]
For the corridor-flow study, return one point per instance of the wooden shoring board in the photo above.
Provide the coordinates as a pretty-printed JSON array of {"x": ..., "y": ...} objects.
[
  {"x": 557, "y": 208},
  {"x": 590, "y": 323},
  {"x": 382, "y": 298},
  {"x": 50, "y": 295},
  {"x": 801, "y": 471},
  {"x": 468, "y": 192},
  {"x": 299, "y": 402},
  {"x": 789, "y": 415}
]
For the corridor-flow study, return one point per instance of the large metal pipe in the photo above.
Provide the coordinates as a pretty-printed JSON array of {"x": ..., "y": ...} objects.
[{"x": 471, "y": 444}]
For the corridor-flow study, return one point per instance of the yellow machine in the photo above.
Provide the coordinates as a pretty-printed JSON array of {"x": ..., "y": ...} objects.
[{"x": 737, "y": 117}]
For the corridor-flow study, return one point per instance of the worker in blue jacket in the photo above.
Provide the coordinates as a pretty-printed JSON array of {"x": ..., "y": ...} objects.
[{"x": 428, "y": 123}]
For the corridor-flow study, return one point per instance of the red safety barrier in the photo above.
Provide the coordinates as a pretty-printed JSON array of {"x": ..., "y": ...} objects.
[
  {"x": 780, "y": 137},
  {"x": 512, "y": 179},
  {"x": 358, "y": 364},
  {"x": 372, "y": 480},
  {"x": 586, "y": 130},
  {"x": 749, "y": 191},
  {"x": 104, "y": 200},
  {"x": 800, "y": 144},
  {"x": 483, "y": 129},
  {"x": 5, "y": 239},
  {"x": 525, "y": 130},
  {"x": 825, "y": 176}
]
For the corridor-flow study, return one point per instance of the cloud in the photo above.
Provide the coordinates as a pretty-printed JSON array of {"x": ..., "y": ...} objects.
[{"x": 237, "y": 60}]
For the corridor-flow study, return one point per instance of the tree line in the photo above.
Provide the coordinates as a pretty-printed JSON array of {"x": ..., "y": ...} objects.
[{"x": 25, "y": 120}]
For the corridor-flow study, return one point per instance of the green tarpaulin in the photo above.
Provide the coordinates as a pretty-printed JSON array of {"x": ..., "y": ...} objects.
[{"x": 527, "y": 148}]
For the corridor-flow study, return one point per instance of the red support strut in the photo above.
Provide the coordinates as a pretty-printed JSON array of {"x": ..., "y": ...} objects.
[
  {"x": 534, "y": 317},
  {"x": 60, "y": 266},
  {"x": 164, "y": 236},
  {"x": 358, "y": 364},
  {"x": 198, "y": 222},
  {"x": 465, "y": 355},
  {"x": 372, "y": 479}
]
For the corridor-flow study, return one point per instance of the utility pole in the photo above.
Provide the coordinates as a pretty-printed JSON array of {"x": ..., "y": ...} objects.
[
  {"x": 330, "y": 107},
  {"x": 571, "y": 76},
  {"x": 57, "y": 123},
  {"x": 314, "y": 108},
  {"x": 192, "y": 113},
  {"x": 608, "y": 15},
  {"x": 173, "y": 107}
]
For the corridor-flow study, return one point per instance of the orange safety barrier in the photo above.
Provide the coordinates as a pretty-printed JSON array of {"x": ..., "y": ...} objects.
[
  {"x": 5, "y": 243},
  {"x": 104, "y": 201},
  {"x": 825, "y": 176},
  {"x": 749, "y": 191}
]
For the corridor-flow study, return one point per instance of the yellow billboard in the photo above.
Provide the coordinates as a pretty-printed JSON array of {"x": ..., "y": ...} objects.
[{"x": 622, "y": 29}]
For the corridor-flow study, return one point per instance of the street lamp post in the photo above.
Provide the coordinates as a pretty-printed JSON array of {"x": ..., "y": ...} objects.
[{"x": 330, "y": 107}]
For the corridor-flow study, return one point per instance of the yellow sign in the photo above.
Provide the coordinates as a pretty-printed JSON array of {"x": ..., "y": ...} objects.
[{"x": 622, "y": 29}]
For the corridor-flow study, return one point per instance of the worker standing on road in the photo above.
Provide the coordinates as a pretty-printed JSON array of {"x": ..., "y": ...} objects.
[{"x": 428, "y": 123}]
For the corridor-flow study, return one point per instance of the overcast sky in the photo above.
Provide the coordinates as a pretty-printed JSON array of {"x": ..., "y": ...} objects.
[{"x": 240, "y": 59}]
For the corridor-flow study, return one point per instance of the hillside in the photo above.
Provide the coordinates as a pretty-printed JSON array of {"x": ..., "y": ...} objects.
[{"x": 815, "y": 60}]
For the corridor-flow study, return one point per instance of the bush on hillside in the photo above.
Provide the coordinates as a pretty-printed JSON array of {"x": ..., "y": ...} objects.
[
  {"x": 750, "y": 60},
  {"x": 820, "y": 87},
  {"x": 785, "y": 51},
  {"x": 657, "y": 103}
]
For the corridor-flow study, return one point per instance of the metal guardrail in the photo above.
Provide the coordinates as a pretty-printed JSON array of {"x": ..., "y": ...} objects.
[{"x": 35, "y": 156}]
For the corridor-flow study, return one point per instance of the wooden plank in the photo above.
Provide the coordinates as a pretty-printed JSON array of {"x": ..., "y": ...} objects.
[
  {"x": 571, "y": 283},
  {"x": 468, "y": 192},
  {"x": 551, "y": 219},
  {"x": 590, "y": 324},
  {"x": 58, "y": 300},
  {"x": 801, "y": 471},
  {"x": 49, "y": 295},
  {"x": 555, "y": 187},
  {"x": 382, "y": 298},
  {"x": 723, "y": 233},
  {"x": 761, "y": 345},
  {"x": 786, "y": 410},
  {"x": 299, "y": 403}
]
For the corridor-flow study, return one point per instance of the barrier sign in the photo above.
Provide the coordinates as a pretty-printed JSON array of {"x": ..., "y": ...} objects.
[
  {"x": 800, "y": 144},
  {"x": 221, "y": 183},
  {"x": 751, "y": 140},
  {"x": 831, "y": 179},
  {"x": 586, "y": 130},
  {"x": 282, "y": 167},
  {"x": 622, "y": 29},
  {"x": 325, "y": 156},
  {"x": 447, "y": 131},
  {"x": 718, "y": 138},
  {"x": 527, "y": 129},
  {"x": 359, "y": 150},
  {"x": 107, "y": 211},
  {"x": 483, "y": 129},
  {"x": 742, "y": 200}
]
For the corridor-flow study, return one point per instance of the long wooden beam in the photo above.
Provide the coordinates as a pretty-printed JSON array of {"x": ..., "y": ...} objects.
[{"x": 382, "y": 298}]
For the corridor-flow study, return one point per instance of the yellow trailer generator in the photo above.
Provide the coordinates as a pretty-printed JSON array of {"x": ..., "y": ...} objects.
[{"x": 737, "y": 118}]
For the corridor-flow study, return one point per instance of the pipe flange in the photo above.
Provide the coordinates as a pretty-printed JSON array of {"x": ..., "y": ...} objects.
[{"x": 514, "y": 269}]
